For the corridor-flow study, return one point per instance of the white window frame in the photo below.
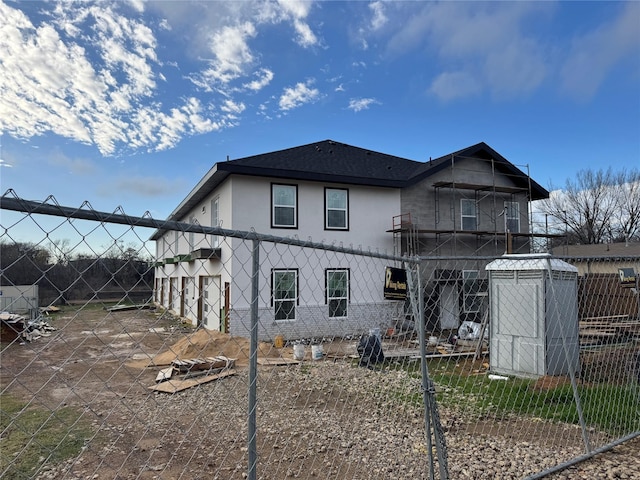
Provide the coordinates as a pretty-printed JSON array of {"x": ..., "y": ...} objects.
[
  {"x": 192, "y": 235},
  {"x": 329, "y": 209},
  {"x": 465, "y": 216},
  {"x": 278, "y": 300},
  {"x": 215, "y": 220},
  {"x": 331, "y": 297},
  {"x": 512, "y": 216},
  {"x": 275, "y": 205}
]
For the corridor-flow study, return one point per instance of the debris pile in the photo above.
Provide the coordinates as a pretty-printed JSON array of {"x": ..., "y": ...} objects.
[
  {"x": 17, "y": 327},
  {"x": 183, "y": 374}
]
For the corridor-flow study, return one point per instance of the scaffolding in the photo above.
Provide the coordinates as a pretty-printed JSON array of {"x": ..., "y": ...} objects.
[{"x": 497, "y": 224}]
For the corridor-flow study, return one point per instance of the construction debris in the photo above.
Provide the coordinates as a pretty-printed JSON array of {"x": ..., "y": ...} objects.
[
  {"x": 174, "y": 385},
  {"x": 192, "y": 372},
  {"x": 123, "y": 308},
  {"x": 18, "y": 327}
]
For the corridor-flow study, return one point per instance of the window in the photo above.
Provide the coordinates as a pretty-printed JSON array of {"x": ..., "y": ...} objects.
[
  {"x": 284, "y": 212},
  {"x": 176, "y": 242},
  {"x": 215, "y": 221},
  {"x": 474, "y": 290},
  {"x": 468, "y": 212},
  {"x": 336, "y": 215},
  {"x": 512, "y": 216},
  {"x": 337, "y": 292},
  {"x": 285, "y": 294}
]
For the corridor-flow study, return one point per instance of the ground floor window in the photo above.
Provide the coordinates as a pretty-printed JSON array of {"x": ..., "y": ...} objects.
[
  {"x": 285, "y": 294},
  {"x": 337, "y": 292},
  {"x": 474, "y": 291}
]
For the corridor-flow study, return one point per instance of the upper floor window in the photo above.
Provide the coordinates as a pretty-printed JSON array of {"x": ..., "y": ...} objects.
[
  {"x": 285, "y": 294},
  {"x": 512, "y": 216},
  {"x": 215, "y": 221},
  {"x": 284, "y": 206},
  {"x": 336, "y": 201},
  {"x": 337, "y": 292},
  {"x": 468, "y": 214}
]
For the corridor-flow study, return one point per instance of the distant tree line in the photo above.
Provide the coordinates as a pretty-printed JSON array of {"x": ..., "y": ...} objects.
[
  {"x": 119, "y": 273},
  {"x": 597, "y": 206}
]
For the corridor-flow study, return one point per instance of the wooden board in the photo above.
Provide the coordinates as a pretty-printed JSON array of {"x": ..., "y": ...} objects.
[
  {"x": 173, "y": 386},
  {"x": 277, "y": 361}
]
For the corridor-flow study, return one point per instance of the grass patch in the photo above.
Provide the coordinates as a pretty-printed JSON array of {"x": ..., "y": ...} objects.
[
  {"x": 609, "y": 407},
  {"x": 32, "y": 437}
]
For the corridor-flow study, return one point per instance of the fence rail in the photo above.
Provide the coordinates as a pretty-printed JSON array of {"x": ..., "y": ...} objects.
[{"x": 256, "y": 356}]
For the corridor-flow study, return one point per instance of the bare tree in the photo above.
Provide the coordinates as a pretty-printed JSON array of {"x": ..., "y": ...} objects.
[
  {"x": 627, "y": 219},
  {"x": 597, "y": 207}
]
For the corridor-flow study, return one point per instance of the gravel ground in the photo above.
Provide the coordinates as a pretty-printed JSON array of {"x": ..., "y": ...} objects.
[{"x": 321, "y": 420}]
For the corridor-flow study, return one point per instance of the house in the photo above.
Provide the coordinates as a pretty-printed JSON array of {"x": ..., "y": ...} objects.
[
  {"x": 470, "y": 202},
  {"x": 608, "y": 276}
]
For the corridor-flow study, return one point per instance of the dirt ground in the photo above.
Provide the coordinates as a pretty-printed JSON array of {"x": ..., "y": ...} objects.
[{"x": 104, "y": 363}]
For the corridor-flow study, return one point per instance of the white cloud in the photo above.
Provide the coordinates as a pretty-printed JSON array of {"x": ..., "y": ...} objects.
[
  {"x": 74, "y": 166},
  {"x": 232, "y": 55},
  {"x": 298, "y": 95},
  {"x": 3, "y": 163},
  {"x": 357, "y": 104},
  {"x": 593, "y": 55},
  {"x": 485, "y": 41},
  {"x": 97, "y": 84},
  {"x": 264, "y": 78},
  {"x": 232, "y": 108},
  {"x": 297, "y": 11},
  {"x": 453, "y": 85},
  {"x": 379, "y": 18},
  {"x": 145, "y": 186}
]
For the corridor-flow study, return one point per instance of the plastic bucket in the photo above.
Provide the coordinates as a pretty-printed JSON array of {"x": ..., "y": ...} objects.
[
  {"x": 316, "y": 352},
  {"x": 298, "y": 352}
]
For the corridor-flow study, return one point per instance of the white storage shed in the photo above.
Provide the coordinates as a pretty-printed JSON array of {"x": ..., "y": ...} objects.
[{"x": 533, "y": 316}]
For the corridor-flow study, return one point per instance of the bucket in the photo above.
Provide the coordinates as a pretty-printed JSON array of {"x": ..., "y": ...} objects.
[
  {"x": 298, "y": 351},
  {"x": 316, "y": 352},
  {"x": 278, "y": 342}
]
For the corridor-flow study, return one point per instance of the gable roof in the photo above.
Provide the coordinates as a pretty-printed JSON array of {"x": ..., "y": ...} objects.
[
  {"x": 334, "y": 162},
  {"x": 482, "y": 151},
  {"x": 327, "y": 161}
]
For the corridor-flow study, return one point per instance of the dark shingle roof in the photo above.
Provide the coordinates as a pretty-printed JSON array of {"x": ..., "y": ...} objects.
[{"x": 327, "y": 161}]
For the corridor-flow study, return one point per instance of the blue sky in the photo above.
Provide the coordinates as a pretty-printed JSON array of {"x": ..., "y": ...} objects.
[{"x": 131, "y": 103}]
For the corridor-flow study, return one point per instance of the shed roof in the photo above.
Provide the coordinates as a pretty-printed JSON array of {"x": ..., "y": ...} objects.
[{"x": 530, "y": 262}]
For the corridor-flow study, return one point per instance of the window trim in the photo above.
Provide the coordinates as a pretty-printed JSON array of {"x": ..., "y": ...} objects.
[
  {"x": 296, "y": 300},
  {"x": 327, "y": 298},
  {"x": 463, "y": 216},
  {"x": 508, "y": 205},
  {"x": 345, "y": 210},
  {"x": 295, "y": 206}
]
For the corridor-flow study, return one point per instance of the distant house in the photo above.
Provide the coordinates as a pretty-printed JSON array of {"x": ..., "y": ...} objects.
[
  {"x": 608, "y": 276},
  {"x": 470, "y": 202}
]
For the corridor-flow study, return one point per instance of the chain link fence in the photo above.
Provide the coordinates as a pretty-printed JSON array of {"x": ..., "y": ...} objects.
[{"x": 253, "y": 356}]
